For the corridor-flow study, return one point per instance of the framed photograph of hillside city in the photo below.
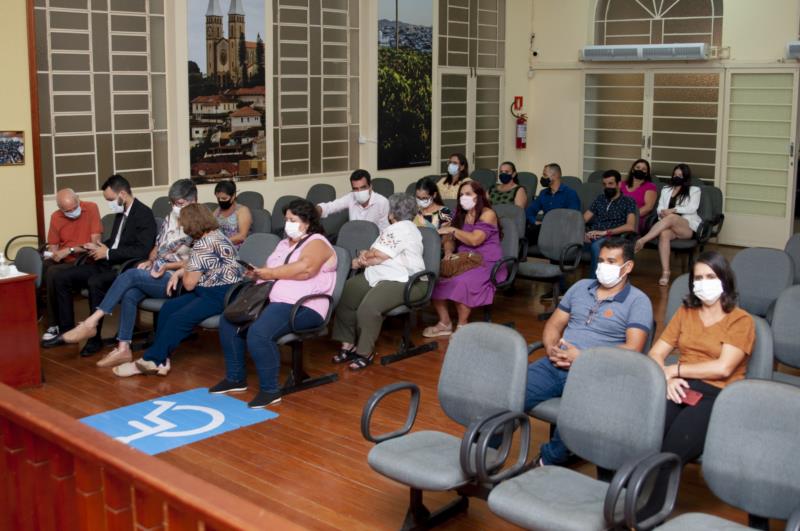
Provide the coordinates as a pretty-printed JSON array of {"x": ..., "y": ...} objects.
[
  {"x": 405, "y": 33},
  {"x": 227, "y": 90}
]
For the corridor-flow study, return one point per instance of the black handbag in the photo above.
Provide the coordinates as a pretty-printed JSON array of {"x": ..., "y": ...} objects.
[{"x": 252, "y": 298}]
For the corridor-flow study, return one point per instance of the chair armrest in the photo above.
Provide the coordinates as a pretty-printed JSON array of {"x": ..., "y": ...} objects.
[
  {"x": 412, "y": 281},
  {"x": 82, "y": 258},
  {"x": 508, "y": 423},
  {"x": 19, "y": 237},
  {"x": 703, "y": 232},
  {"x": 533, "y": 347},
  {"x": 512, "y": 265},
  {"x": 565, "y": 267},
  {"x": 717, "y": 224},
  {"x": 793, "y": 523},
  {"x": 129, "y": 264},
  {"x": 647, "y": 467},
  {"x": 372, "y": 404},
  {"x": 299, "y": 304},
  {"x": 616, "y": 487},
  {"x": 470, "y": 439},
  {"x": 234, "y": 290}
]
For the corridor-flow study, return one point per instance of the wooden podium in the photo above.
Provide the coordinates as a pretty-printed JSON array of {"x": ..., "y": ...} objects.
[{"x": 20, "y": 363}]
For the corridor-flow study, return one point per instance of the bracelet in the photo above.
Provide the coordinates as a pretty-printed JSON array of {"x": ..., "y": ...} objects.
[{"x": 608, "y": 233}]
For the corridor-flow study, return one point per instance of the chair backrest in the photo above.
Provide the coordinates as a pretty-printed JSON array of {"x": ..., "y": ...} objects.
[
  {"x": 485, "y": 369},
  {"x": 343, "y": 262},
  {"x": 487, "y": 178},
  {"x": 793, "y": 250},
  {"x": 28, "y": 260},
  {"x": 613, "y": 406},
  {"x": 383, "y": 186},
  {"x": 262, "y": 221},
  {"x": 431, "y": 249},
  {"x": 332, "y": 223},
  {"x": 561, "y": 227},
  {"x": 452, "y": 204},
  {"x": 257, "y": 247},
  {"x": 588, "y": 192},
  {"x": 753, "y": 440},
  {"x": 512, "y": 212},
  {"x": 510, "y": 240},
  {"x": 357, "y": 235},
  {"x": 161, "y": 207},
  {"x": 785, "y": 329},
  {"x": 762, "y": 358},
  {"x": 211, "y": 206},
  {"x": 159, "y": 221},
  {"x": 572, "y": 181},
  {"x": 761, "y": 275},
  {"x": 108, "y": 224},
  {"x": 706, "y": 208},
  {"x": 277, "y": 213},
  {"x": 677, "y": 292},
  {"x": 530, "y": 182},
  {"x": 596, "y": 177},
  {"x": 250, "y": 199},
  {"x": 321, "y": 193},
  {"x": 411, "y": 189}
]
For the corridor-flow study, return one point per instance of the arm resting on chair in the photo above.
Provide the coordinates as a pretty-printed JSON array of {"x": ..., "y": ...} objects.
[
  {"x": 412, "y": 281},
  {"x": 639, "y": 478},
  {"x": 511, "y": 264},
  {"x": 573, "y": 247},
  {"x": 507, "y": 423},
  {"x": 299, "y": 304},
  {"x": 372, "y": 404}
]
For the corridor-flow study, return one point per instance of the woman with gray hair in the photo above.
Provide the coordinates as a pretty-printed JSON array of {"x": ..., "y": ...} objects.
[
  {"x": 147, "y": 279},
  {"x": 388, "y": 264}
]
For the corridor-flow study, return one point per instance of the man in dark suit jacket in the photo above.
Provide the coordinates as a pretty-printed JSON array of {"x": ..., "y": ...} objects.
[{"x": 132, "y": 238}]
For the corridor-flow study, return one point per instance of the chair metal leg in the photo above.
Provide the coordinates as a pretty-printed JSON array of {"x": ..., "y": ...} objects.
[
  {"x": 407, "y": 348},
  {"x": 419, "y": 517},
  {"x": 298, "y": 379}
]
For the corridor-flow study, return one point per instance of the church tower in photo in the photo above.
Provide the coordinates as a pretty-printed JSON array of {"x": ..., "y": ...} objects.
[{"x": 224, "y": 55}]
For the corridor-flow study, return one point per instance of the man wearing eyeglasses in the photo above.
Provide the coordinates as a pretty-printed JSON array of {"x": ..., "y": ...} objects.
[{"x": 606, "y": 312}]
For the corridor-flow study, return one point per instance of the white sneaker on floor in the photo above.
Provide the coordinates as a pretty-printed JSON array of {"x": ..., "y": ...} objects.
[
  {"x": 150, "y": 367},
  {"x": 50, "y": 333}
]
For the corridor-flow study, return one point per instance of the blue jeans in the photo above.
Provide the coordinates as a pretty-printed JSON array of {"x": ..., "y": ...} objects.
[
  {"x": 260, "y": 339},
  {"x": 128, "y": 290},
  {"x": 546, "y": 381},
  {"x": 594, "y": 248},
  {"x": 180, "y": 315}
]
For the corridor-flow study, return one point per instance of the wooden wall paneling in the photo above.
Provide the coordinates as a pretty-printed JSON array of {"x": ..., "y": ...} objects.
[
  {"x": 117, "y": 500},
  {"x": 62, "y": 475},
  {"x": 89, "y": 495}
]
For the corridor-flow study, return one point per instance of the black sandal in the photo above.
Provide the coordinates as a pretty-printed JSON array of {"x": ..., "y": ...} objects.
[
  {"x": 344, "y": 355},
  {"x": 361, "y": 362}
]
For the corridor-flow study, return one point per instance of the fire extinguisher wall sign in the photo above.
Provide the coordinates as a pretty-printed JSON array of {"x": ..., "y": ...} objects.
[{"x": 522, "y": 123}]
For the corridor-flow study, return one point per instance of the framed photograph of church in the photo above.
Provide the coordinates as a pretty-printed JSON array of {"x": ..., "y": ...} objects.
[
  {"x": 227, "y": 90},
  {"x": 405, "y": 38}
]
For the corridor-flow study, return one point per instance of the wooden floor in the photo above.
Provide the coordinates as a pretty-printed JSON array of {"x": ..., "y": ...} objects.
[{"x": 310, "y": 463}]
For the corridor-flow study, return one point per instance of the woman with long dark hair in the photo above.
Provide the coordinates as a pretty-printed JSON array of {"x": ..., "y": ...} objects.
[
  {"x": 714, "y": 338},
  {"x": 457, "y": 173},
  {"x": 678, "y": 217},
  {"x": 431, "y": 211},
  {"x": 639, "y": 187},
  {"x": 475, "y": 229}
]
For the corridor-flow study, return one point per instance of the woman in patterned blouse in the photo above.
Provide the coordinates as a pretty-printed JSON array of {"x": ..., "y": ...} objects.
[
  {"x": 210, "y": 271},
  {"x": 431, "y": 211},
  {"x": 507, "y": 190}
]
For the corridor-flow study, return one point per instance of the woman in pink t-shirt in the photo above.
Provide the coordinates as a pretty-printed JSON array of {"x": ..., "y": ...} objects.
[
  {"x": 641, "y": 189},
  {"x": 310, "y": 270}
]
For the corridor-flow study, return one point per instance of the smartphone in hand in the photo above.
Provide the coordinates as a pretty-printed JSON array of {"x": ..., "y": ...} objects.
[
  {"x": 692, "y": 397},
  {"x": 246, "y": 265}
]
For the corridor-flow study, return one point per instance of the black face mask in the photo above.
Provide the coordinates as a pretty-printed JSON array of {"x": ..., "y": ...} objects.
[
  {"x": 505, "y": 178},
  {"x": 610, "y": 192},
  {"x": 225, "y": 205},
  {"x": 639, "y": 174},
  {"x": 545, "y": 182},
  {"x": 676, "y": 180}
]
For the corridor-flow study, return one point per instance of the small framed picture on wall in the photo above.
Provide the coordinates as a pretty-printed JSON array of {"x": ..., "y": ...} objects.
[{"x": 12, "y": 148}]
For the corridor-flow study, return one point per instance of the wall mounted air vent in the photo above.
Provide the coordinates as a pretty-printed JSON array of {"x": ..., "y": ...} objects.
[
  {"x": 793, "y": 50},
  {"x": 696, "y": 51}
]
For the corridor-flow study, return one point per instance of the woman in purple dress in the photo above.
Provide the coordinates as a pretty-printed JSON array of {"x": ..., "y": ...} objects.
[{"x": 475, "y": 228}]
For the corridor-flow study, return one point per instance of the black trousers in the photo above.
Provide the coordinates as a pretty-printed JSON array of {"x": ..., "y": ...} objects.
[
  {"x": 49, "y": 271},
  {"x": 685, "y": 427},
  {"x": 97, "y": 277}
]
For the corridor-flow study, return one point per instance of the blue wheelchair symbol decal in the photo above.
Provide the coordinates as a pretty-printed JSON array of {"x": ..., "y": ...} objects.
[{"x": 155, "y": 426}]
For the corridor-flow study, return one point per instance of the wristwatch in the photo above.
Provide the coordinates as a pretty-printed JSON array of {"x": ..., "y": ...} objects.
[{"x": 71, "y": 250}]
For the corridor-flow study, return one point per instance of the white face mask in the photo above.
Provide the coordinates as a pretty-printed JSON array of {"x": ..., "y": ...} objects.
[
  {"x": 424, "y": 203},
  {"x": 75, "y": 214},
  {"x": 115, "y": 207},
  {"x": 176, "y": 210},
  {"x": 362, "y": 196},
  {"x": 708, "y": 290},
  {"x": 467, "y": 202},
  {"x": 608, "y": 275},
  {"x": 452, "y": 169},
  {"x": 292, "y": 229}
]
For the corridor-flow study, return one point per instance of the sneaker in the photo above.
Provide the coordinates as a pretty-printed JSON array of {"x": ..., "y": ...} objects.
[
  {"x": 115, "y": 357},
  {"x": 50, "y": 334},
  {"x": 264, "y": 399},
  {"x": 150, "y": 367},
  {"x": 227, "y": 386}
]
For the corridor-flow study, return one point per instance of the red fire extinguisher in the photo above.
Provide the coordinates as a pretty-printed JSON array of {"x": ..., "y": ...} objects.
[{"x": 522, "y": 123}]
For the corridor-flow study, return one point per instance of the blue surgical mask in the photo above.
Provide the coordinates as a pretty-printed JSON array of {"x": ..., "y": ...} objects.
[
  {"x": 452, "y": 169},
  {"x": 75, "y": 214},
  {"x": 115, "y": 207}
]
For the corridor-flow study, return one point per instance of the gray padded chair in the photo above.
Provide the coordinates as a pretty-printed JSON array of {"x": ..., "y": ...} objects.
[
  {"x": 357, "y": 235},
  {"x": 517, "y": 215},
  {"x": 530, "y": 182},
  {"x": 431, "y": 255},
  {"x": 483, "y": 374},
  {"x": 612, "y": 415},
  {"x": 278, "y": 220},
  {"x": 452, "y": 204},
  {"x": 786, "y": 334},
  {"x": 561, "y": 242},
  {"x": 411, "y": 189},
  {"x": 793, "y": 250},
  {"x": 382, "y": 186},
  {"x": 161, "y": 207},
  {"x": 29, "y": 260},
  {"x": 250, "y": 199},
  {"x": 321, "y": 193},
  {"x": 588, "y": 192},
  {"x": 487, "y": 178},
  {"x": 750, "y": 457},
  {"x": 211, "y": 206},
  {"x": 333, "y": 223},
  {"x": 108, "y": 224},
  {"x": 573, "y": 182},
  {"x": 596, "y": 177},
  {"x": 509, "y": 262},
  {"x": 761, "y": 275},
  {"x": 262, "y": 221}
]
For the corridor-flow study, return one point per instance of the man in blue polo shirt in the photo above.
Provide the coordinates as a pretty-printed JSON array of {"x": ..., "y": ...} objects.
[
  {"x": 610, "y": 214},
  {"x": 607, "y": 312},
  {"x": 554, "y": 195}
]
